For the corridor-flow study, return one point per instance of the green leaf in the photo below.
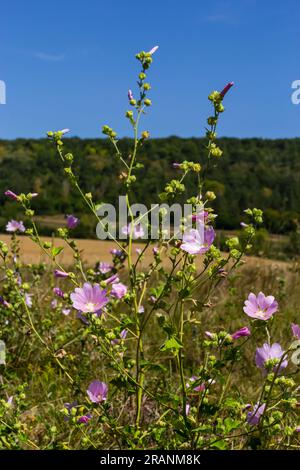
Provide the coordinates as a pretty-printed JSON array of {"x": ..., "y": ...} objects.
[
  {"x": 221, "y": 445},
  {"x": 56, "y": 250},
  {"x": 173, "y": 344}
]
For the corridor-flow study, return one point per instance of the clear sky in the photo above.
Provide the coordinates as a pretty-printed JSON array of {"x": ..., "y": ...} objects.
[{"x": 69, "y": 63}]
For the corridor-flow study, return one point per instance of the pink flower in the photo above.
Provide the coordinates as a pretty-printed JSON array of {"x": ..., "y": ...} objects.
[
  {"x": 270, "y": 353},
  {"x": 58, "y": 273},
  {"x": 72, "y": 221},
  {"x": 130, "y": 95},
  {"x": 66, "y": 311},
  {"x": 261, "y": 307},
  {"x": 226, "y": 89},
  {"x": 97, "y": 391},
  {"x": 154, "y": 49},
  {"x": 253, "y": 417},
  {"x": 3, "y": 302},
  {"x": 112, "y": 279},
  {"x": 116, "y": 252},
  {"x": 198, "y": 242},
  {"x": 84, "y": 419},
  {"x": 123, "y": 335},
  {"x": 244, "y": 331},
  {"x": 11, "y": 195},
  {"x": 198, "y": 388},
  {"x": 104, "y": 268},
  {"x": 119, "y": 290},
  {"x": 89, "y": 298},
  {"x": 137, "y": 231},
  {"x": 296, "y": 330},
  {"x": 57, "y": 291},
  {"x": 14, "y": 226}
]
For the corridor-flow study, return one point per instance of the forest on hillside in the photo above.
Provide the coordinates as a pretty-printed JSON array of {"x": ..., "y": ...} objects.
[{"x": 251, "y": 173}]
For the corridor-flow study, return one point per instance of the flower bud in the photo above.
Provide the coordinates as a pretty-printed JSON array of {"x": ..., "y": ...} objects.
[{"x": 147, "y": 102}]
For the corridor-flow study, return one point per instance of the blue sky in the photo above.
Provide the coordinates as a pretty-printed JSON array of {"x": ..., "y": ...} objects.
[{"x": 70, "y": 63}]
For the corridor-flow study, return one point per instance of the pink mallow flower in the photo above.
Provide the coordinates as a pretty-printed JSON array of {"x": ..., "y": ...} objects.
[
  {"x": 198, "y": 242},
  {"x": 89, "y": 298},
  {"x": 154, "y": 49},
  {"x": 11, "y": 195},
  {"x": 244, "y": 331},
  {"x": 296, "y": 330},
  {"x": 97, "y": 391},
  {"x": 57, "y": 291},
  {"x": 58, "y": 273},
  {"x": 104, "y": 268},
  {"x": 137, "y": 231},
  {"x": 253, "y": 417},
  {"x": 260, "y": 307},
  {"x": 272, "y": 354},
  {"x": 84, "y": 419},
  {"x": 72, "y": 221},
  {"x": 14, "y": 226},
  {"x": 118, "y": 290},
  {"x": 226, "y": 89}
]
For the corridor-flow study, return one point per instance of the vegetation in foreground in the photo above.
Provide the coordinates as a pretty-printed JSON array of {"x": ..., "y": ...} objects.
[{"x": 164, "y": 356}]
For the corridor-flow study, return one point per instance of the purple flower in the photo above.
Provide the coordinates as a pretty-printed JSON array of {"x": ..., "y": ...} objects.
[
  {"x": 176, "y": 165},
  {"x": 119, "y": 290},
  {"x": 11, "y": 195},
  {"x": 200, "y": 217},
  {"x": 123, "y": 335},
  {"x": 155, "y": 250},
  {"x": 243, "y": 225},
  {"x": 116, "y": 252},
  {"x": 198, "y": 242},
  {"x": 226, "y": 89},
  {"x": 272, "y": 353},
  {"x": 253, "y": 417},
  {"x": 84, "y": 419},
  {"x": 3, "y": 302},
  {"x": 198, "y": 388},
  {"x": 15, "y": 226},
  {"x": 89, "y": 299},
  {"x": 244, "y": 331},
  {"x": 54, "y": 303},
  {"x": 10, "y": 400},
  {"x": 141, "y": 309},
  {"x": 296, "y": 330},
  {"x": 66, "y": 311},
  {"x": 154, "y": 49},
  {"x": 112, "y": 279},
  {"x": 28, "y": 300},
  {"x": 82, "y": 318},
  {"x": 58, "y": 273},
  {"x": 209, "y": 334},
  {"x": 137, "y": 231},
  {"x": 104, "y": 268},
  {"x": 72, "y": 221},
  {"x": 130, "y": 95},
  {"x": 261, "y": 307},
  {"x": 57, "y": 291},
  {"x": 97, "y": 391}
]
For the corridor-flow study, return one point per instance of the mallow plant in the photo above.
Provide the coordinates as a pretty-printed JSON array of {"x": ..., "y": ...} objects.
[{"x": 132, "y": 380}]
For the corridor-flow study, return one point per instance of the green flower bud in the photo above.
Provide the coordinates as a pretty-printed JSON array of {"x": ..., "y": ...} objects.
[
  {"x": 142, "y": 76},
  {"x": 147, "y": 102},
  {"x": 210, "y": 195}
]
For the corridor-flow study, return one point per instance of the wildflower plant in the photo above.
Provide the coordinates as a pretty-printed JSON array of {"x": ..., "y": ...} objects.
[{"x": 118, "y": 336}]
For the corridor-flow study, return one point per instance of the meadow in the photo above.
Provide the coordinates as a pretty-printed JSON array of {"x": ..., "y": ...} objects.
[{"x": 185, "y": 342}]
